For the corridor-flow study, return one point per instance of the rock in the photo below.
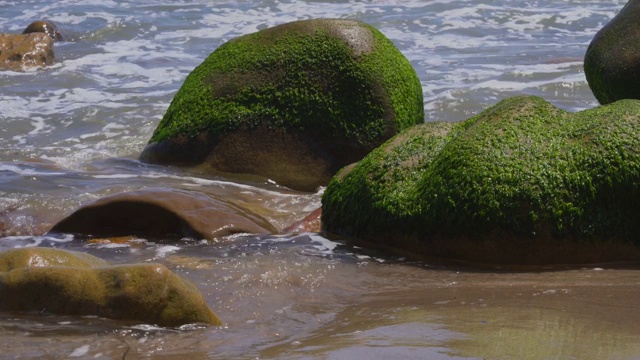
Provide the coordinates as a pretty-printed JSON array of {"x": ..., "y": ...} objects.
[
  {"x": 521, "y": 183},
  {"x": 162, "y": 213},
  {"x": 310, "y": 223},
  {"x": 612, "y": 60},
  {"x": 293, "y": 103},
  {"x": 21, "y": 52},
  {"x": 70, "y": 283},
  {"x": 47, "y": 27},
  {"x": 44, "y": 257}
]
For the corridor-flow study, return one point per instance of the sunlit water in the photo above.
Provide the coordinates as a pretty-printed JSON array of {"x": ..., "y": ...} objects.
[{"x": 71, "y": 134}]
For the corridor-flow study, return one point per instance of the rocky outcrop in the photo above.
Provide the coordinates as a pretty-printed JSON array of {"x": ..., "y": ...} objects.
[
  {"x": 612, "y": 61},
  {"x": 70, "y": 283},
  {"x": 162, "y": 213},
  {"x": 522, "y": 183},
  {"x": 21, "y": 52},
  {"x": 293, "y": 103}
]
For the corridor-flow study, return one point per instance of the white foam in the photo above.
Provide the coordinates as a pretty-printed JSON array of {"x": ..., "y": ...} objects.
[
  {"x": 28, "y": 171},
  {"x": 33, "y": 241},
  {"x": 163, "y": 251},
  {"x": 325, "y": 245},
  {"x": 80, "y": 351}
]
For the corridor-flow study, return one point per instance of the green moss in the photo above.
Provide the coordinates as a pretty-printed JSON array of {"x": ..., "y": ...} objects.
[
  {"x": 40, "y": 257},
  {"x": 522, "y": 166},
  {"x": 301, "y": 76},
  {"x": 380, "y": 194}
]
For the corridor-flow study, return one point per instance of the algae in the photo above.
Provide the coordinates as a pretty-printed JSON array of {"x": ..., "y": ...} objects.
[
  {"x": 522, "y": 169},
  {"x": 73, "y": 283},
  {"x": 307, "y": 75}
]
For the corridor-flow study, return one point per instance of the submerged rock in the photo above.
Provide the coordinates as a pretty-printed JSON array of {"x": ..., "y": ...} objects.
[
  {"x": 47, "y": 27},
  {"x": 612, "y": 61},
  {"x": 310, "y": 223},
  {"x": 522, "y": 183},
  {"x": 163, "y": 213},
  {"x": 44, "y": 257},
  {"x": 70, "y": 283},
  {"x": 293, "y": 103},
  {"x": 21, "y": 52}
]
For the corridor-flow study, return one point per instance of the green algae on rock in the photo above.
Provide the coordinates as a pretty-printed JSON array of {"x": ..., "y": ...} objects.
[
  {"x": 295, "y": 103},
  {"x": 71, "y": 283},
  {"x": 40, "y": 257},
  {"x": 522, "y": 182},
  {"x": 612, "y": 60}
]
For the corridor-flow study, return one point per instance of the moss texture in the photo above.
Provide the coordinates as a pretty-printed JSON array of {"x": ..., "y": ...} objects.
[
  {"x": 339, "y": 84},
  {"x": 523, "y": 169},
  {"x": 71, "y": 283},
  {"x": 299, "y": 75},
  {"x": 612, "y": 61},
  {"x": 40, "y": 257}
]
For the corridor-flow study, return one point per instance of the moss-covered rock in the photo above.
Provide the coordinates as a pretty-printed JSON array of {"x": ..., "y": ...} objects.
[
  {"x": 70, "y": 283},
  {"x": 41, "y": 257},
  {"x": 612, "y": 61},
  {"x": 522, "y": 182},
  {"x": 294, "y": 103}
]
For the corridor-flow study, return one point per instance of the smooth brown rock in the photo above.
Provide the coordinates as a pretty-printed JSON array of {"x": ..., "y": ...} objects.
[
  {"x": 20, "y": 52},
  {"x": 47, "y": 27},
  {"x": 163, "y": 213},
  {"x": 310, "y": 223}
]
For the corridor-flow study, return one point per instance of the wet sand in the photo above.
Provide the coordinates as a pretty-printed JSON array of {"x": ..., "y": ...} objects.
[{"x": 293, "y": 298}]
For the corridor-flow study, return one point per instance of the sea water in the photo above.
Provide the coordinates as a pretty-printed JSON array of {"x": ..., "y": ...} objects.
[{"x": 71, "y": 133}]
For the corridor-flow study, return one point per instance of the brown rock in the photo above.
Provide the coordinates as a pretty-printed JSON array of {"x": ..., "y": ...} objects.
[
  {"x": 47, "y": 27},
  {"x": 310, "y": 223},
  {"x": 20, "y": 52},
  {"x": 163, "y": 213}
]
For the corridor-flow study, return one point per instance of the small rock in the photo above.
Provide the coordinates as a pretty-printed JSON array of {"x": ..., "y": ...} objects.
[
  {"x": 47, "y": 27},
  {"x": 70, "y": 283},
  {"x": 21, "y": 52}
]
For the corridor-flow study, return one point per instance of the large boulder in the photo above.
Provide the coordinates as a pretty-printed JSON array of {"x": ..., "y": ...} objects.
[
  {"x": 293, "y": 103},
  {"x": 522, "y": 183},
  {"x": 70, "y": 283},
  {"x": 612, "y": 60},
  {"x": 20, "y": 52},
  {"x": 162, "y": 213}
]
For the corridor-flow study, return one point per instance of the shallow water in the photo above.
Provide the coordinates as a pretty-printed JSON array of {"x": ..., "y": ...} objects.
[
  {"x": 72, "y": 133},
  {"x": 303, "y": 296}
]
